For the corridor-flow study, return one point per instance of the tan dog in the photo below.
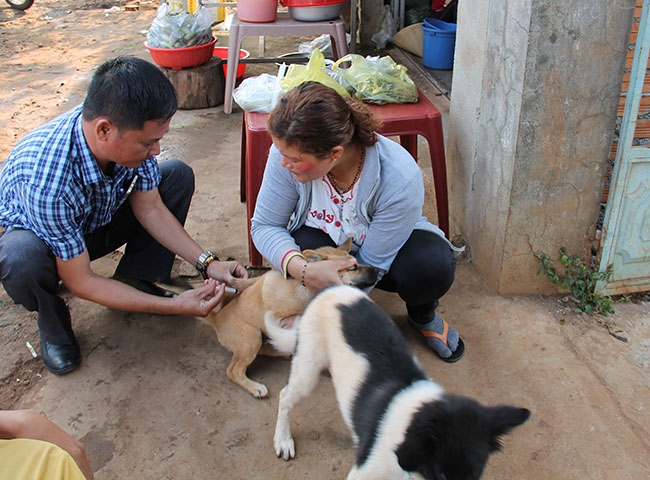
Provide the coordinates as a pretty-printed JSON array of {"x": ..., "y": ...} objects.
[{"x": 244, "y": 320}]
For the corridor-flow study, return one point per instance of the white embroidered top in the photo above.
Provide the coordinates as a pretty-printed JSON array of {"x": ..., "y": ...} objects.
[{"x": 335, "y": 213}]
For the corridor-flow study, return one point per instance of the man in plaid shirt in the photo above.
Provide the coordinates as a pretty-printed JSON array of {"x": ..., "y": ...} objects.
[{"x": 88, "y": 182}]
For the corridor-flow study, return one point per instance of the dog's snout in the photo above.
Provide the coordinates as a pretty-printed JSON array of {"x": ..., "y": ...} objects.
[
  {"x": 374, "y": 273},
  {"x": 367, "y": 277}
]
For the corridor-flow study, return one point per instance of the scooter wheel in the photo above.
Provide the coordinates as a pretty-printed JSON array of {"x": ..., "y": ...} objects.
[{"x": 18, "y": 5}]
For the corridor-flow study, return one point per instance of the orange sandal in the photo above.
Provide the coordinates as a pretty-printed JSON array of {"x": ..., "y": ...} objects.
[{"x": 456, "y": 354}]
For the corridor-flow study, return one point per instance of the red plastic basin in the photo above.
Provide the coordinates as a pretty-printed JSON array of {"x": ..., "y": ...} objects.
[
  {"x": 222, "y": 52},
  {"x": 179, "y": 58}
]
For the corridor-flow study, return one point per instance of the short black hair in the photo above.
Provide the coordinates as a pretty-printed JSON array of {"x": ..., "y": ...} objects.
[{"x": 130, "y": 91}]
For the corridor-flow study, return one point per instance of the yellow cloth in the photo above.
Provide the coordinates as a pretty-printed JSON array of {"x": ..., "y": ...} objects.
[{"x": 27, "y": 459}]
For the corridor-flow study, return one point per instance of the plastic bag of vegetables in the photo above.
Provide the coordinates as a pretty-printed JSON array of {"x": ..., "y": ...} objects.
[
  {"x": 178, "y": 29},
  {"x": 376, "y": 80}
]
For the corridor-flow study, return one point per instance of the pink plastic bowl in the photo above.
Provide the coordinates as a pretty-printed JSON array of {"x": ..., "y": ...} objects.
[
  {"x": 179, "y": 58},
  {"x": 222, "y": 52}
]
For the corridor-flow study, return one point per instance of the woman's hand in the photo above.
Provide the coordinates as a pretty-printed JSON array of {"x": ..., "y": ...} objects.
[{"x": 319, "y": 275}]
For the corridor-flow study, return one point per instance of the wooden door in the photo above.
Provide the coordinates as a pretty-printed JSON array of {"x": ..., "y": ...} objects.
[{"x": 626, "y": 223}]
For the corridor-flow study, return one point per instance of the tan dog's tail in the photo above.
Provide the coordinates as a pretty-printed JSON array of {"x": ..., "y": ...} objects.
[{"x": 282, "y": 339}]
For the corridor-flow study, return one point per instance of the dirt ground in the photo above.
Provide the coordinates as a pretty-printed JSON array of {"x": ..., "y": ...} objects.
[{"x": 151, "y": 399}]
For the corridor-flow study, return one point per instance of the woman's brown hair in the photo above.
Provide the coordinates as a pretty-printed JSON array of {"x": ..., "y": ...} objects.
[{"x": 314, "y": 118}]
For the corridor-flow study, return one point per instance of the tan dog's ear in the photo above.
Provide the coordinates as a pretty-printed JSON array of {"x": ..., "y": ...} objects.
[
  {"x": 313, "y": 256},
  {"x": 347, "y": 246}
]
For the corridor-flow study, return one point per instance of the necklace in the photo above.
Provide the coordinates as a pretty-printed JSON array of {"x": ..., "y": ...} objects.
[{"x": 357, "y": 174}]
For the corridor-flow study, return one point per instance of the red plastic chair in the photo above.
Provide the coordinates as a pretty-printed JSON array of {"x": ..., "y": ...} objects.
[{"x": 406, "y": 120}]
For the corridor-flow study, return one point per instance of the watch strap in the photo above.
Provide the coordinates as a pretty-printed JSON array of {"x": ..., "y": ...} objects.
[{"x": 203, "y": 261}]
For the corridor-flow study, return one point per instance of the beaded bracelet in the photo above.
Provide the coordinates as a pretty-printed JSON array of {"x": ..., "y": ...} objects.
[{"x": 302, "y": 275}]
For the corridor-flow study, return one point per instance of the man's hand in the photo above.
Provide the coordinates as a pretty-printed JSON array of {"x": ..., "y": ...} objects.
[
  {"x": 201, "y": 301},
  {"x": 226, "y": 271}
]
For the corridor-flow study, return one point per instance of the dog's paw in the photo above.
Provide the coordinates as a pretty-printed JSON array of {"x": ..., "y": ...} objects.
[
  {"x": 285, "y": 448},
  {"x": 258, "y": 390}
]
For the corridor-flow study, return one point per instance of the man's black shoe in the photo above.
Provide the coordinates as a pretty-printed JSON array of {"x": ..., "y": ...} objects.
[
  {"x": 145, "y": 286},
  {"x": 60, "y": 359},
  {"x": 153, "y": 289}
]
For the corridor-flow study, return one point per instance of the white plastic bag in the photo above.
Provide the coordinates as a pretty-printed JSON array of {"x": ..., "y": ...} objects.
[
  {"x": 323, "y": 43},
  {"x": 258, "y": 94},
  {"x": 387, "y": 32}
]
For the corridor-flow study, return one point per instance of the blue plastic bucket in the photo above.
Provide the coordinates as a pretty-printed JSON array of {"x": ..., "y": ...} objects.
[
  {"x": 440, "y": 24},
  {"x": 439, "y": 41}
]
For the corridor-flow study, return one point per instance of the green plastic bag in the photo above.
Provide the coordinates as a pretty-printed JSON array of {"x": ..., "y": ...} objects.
[
  {"x": 315, "y": 71},
  {"x": 376, "y": 80}
]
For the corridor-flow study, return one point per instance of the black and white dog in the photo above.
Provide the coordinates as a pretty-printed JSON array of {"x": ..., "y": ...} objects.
[{"x": 403, "y": 424}]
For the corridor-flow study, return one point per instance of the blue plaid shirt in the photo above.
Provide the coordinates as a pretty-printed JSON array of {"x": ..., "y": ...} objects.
[{"x": 51, "y": 184}]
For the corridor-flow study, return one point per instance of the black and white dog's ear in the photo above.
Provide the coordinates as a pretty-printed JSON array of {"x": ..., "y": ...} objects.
[
  {"x": 502, "y": 419},
  {"x": 412, "y": 459},
  {"x": 424, "y": 439}
]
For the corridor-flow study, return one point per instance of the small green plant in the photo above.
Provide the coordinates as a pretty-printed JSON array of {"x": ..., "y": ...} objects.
[{"x": 580, "y": 280}]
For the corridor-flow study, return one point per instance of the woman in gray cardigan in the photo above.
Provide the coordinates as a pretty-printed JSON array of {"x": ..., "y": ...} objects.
[{"x": 330, "y": 177}]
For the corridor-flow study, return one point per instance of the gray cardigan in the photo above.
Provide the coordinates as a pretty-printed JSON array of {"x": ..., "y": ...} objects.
[{"x": 389, "y": 202}]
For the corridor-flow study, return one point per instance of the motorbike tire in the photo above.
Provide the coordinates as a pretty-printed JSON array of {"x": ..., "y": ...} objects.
[{"x": 20, "y": 5}]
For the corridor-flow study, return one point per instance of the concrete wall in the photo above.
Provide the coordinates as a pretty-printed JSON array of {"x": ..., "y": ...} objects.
[{"x": 534, "y": 96}]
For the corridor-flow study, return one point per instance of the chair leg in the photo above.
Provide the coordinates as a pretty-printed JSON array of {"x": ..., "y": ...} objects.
[
  {"x": 439, "y": 168},
  {"x": 254, "y": 256},
  {"x": 258, "y": 143},
  {"x": 242, "y": 162},
  {"x": 234, "y": 42},
  {"x": 340, "y": 42},
  {"x": 410, "y": 143}
]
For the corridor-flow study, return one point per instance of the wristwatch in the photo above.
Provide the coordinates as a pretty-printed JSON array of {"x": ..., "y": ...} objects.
[{"x": 202, "y": 263}]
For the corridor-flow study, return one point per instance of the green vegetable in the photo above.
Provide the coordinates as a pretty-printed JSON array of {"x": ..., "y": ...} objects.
[
  {"x": 376, "y": 80},
  {"x": 171, "y": 29}
]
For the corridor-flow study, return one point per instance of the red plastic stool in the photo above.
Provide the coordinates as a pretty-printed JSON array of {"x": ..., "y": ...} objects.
[{"x": 406, "y": 120}]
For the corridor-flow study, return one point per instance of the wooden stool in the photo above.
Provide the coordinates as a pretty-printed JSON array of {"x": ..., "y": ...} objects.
[
  {"x": 284, "y": 26},
  {"x": 406, "y": 120},
  {"x": 198, "y": 87}
]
